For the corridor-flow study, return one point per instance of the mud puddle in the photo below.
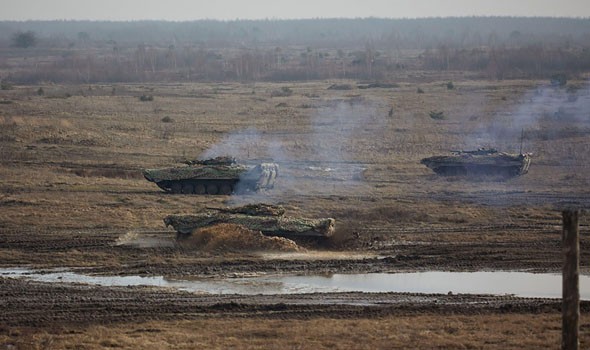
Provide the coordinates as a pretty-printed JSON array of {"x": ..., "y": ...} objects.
[{"x": 522, "y": 284}]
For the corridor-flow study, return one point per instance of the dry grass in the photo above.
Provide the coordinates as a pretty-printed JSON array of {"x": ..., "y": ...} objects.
[
  {"x": 75, "y": 163},
  {"x": 523, "y": 331},
  {"x": 70, "y": 167}
]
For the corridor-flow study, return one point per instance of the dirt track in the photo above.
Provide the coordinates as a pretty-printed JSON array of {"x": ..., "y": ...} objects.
[{"x": 393, "y": 248}]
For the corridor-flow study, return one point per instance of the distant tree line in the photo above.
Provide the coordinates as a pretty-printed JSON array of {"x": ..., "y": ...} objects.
[
  {"x": 531, "y": 61},
  {"x": 283, "y": 50},
  {"x": 427, "y": 33}
]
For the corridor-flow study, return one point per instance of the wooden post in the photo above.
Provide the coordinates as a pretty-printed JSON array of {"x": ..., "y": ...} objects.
[{"x": 571, "y": 273}]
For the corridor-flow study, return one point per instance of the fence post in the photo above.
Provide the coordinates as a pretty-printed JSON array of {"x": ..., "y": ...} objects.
[{"x": 571, "y": 273}]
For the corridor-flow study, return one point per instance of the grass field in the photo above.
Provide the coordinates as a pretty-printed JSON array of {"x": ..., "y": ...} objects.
[
  {"x": 363, "y": 142},
  {"x": 71, "y": 186}
]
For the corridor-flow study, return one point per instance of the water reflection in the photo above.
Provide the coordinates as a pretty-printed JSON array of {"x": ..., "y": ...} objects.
[{"x": 499, "y": 283}]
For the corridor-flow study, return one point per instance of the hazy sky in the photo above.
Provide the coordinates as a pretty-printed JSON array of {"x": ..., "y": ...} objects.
[{"x": 181, "y": 10}]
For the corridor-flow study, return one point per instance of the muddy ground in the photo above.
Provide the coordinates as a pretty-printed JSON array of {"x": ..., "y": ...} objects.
[{"x": 73, "y": 197}]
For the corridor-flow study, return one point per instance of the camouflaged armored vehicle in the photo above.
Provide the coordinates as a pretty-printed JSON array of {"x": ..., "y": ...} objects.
[
  {"x": 268, "y": 219},
  {"x": 221, "y": 175},
  {"x": 480, "y": 162}
]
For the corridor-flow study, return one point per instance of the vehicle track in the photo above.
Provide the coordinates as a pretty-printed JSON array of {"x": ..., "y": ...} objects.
[{"x": 470, "y": 247}]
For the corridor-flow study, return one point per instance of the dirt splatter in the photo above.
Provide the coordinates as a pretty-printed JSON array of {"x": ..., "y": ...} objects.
[
  {"x": 127, "y": 238},
  {"x": 235, "y": 238}
]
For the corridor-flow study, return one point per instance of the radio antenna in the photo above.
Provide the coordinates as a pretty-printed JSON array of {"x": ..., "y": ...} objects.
[{"x": 521, "y": 139}]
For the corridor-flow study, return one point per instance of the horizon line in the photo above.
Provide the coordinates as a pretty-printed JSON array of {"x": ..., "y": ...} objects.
[{"x": 290, "y": 19}]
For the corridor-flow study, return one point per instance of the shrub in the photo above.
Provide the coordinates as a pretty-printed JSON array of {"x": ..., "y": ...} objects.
[
  {"x": 40, "y": 91},
  {"x": 558, "y": 79},
  {"x": 450, "y": 85},
  {"x": 24, "y": 39},
  {"x": 419, "y": 91},
  {"x": 437, "y": 115},
  {"x": 283, "y": 92},
  {"x": 145, "y": 98},
  {"x": 6, "y": 85},
  {"x": 340, "y": 87},
  {"x": 167, "y": 119}
]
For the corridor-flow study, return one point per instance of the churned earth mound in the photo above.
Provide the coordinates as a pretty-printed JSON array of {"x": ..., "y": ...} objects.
[{"x": 235, "y": 238}]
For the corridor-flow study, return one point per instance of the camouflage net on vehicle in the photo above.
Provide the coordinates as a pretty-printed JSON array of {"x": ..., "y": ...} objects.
[
  {"x": 255, "y": 209},
  {"x": 193, "y": 172},
  {"x": 267, "y": 219},
  {"x": 221, "y": 160}
]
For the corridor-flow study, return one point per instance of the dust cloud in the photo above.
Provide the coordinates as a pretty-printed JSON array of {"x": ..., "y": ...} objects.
[
  {"x": 545, "y": 113},
  {"x": 137, "y": 240},
  {"x": 223, "y": 238},
  {"x": 318, "y": 161}
]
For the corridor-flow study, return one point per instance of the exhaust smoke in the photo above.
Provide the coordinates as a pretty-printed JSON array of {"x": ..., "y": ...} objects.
[{"x": 319, "y": 161}]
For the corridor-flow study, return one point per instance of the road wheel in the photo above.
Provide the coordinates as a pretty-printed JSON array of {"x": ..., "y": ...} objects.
[
  {"x": 225, "y": 189},
  {"x": 187, "y": 188},
  {"x": 200, "y": 189},
  {"x": 176, "y": 187},
  {"x": 212, "y": 189}
]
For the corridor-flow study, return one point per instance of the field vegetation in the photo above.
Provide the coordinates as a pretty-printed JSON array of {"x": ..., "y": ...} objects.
[{"x": 347, "y": 114}]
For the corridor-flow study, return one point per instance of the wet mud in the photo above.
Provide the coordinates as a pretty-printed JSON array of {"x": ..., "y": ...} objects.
[
  {"x": 27, "y": 303},
  {"x": 381, "y": 249}
]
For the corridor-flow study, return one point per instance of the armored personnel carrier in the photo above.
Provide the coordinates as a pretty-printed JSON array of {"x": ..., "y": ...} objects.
[
  {"x": 481, "y": 162},
  {"x": 221, "y": 175}
]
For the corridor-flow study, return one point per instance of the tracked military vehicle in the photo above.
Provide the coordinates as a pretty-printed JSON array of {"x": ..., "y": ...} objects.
[
  {"x": 481, "y": 162},
  {"x": 268, "y": 219},
  {"x": 221, "y": 175}
]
